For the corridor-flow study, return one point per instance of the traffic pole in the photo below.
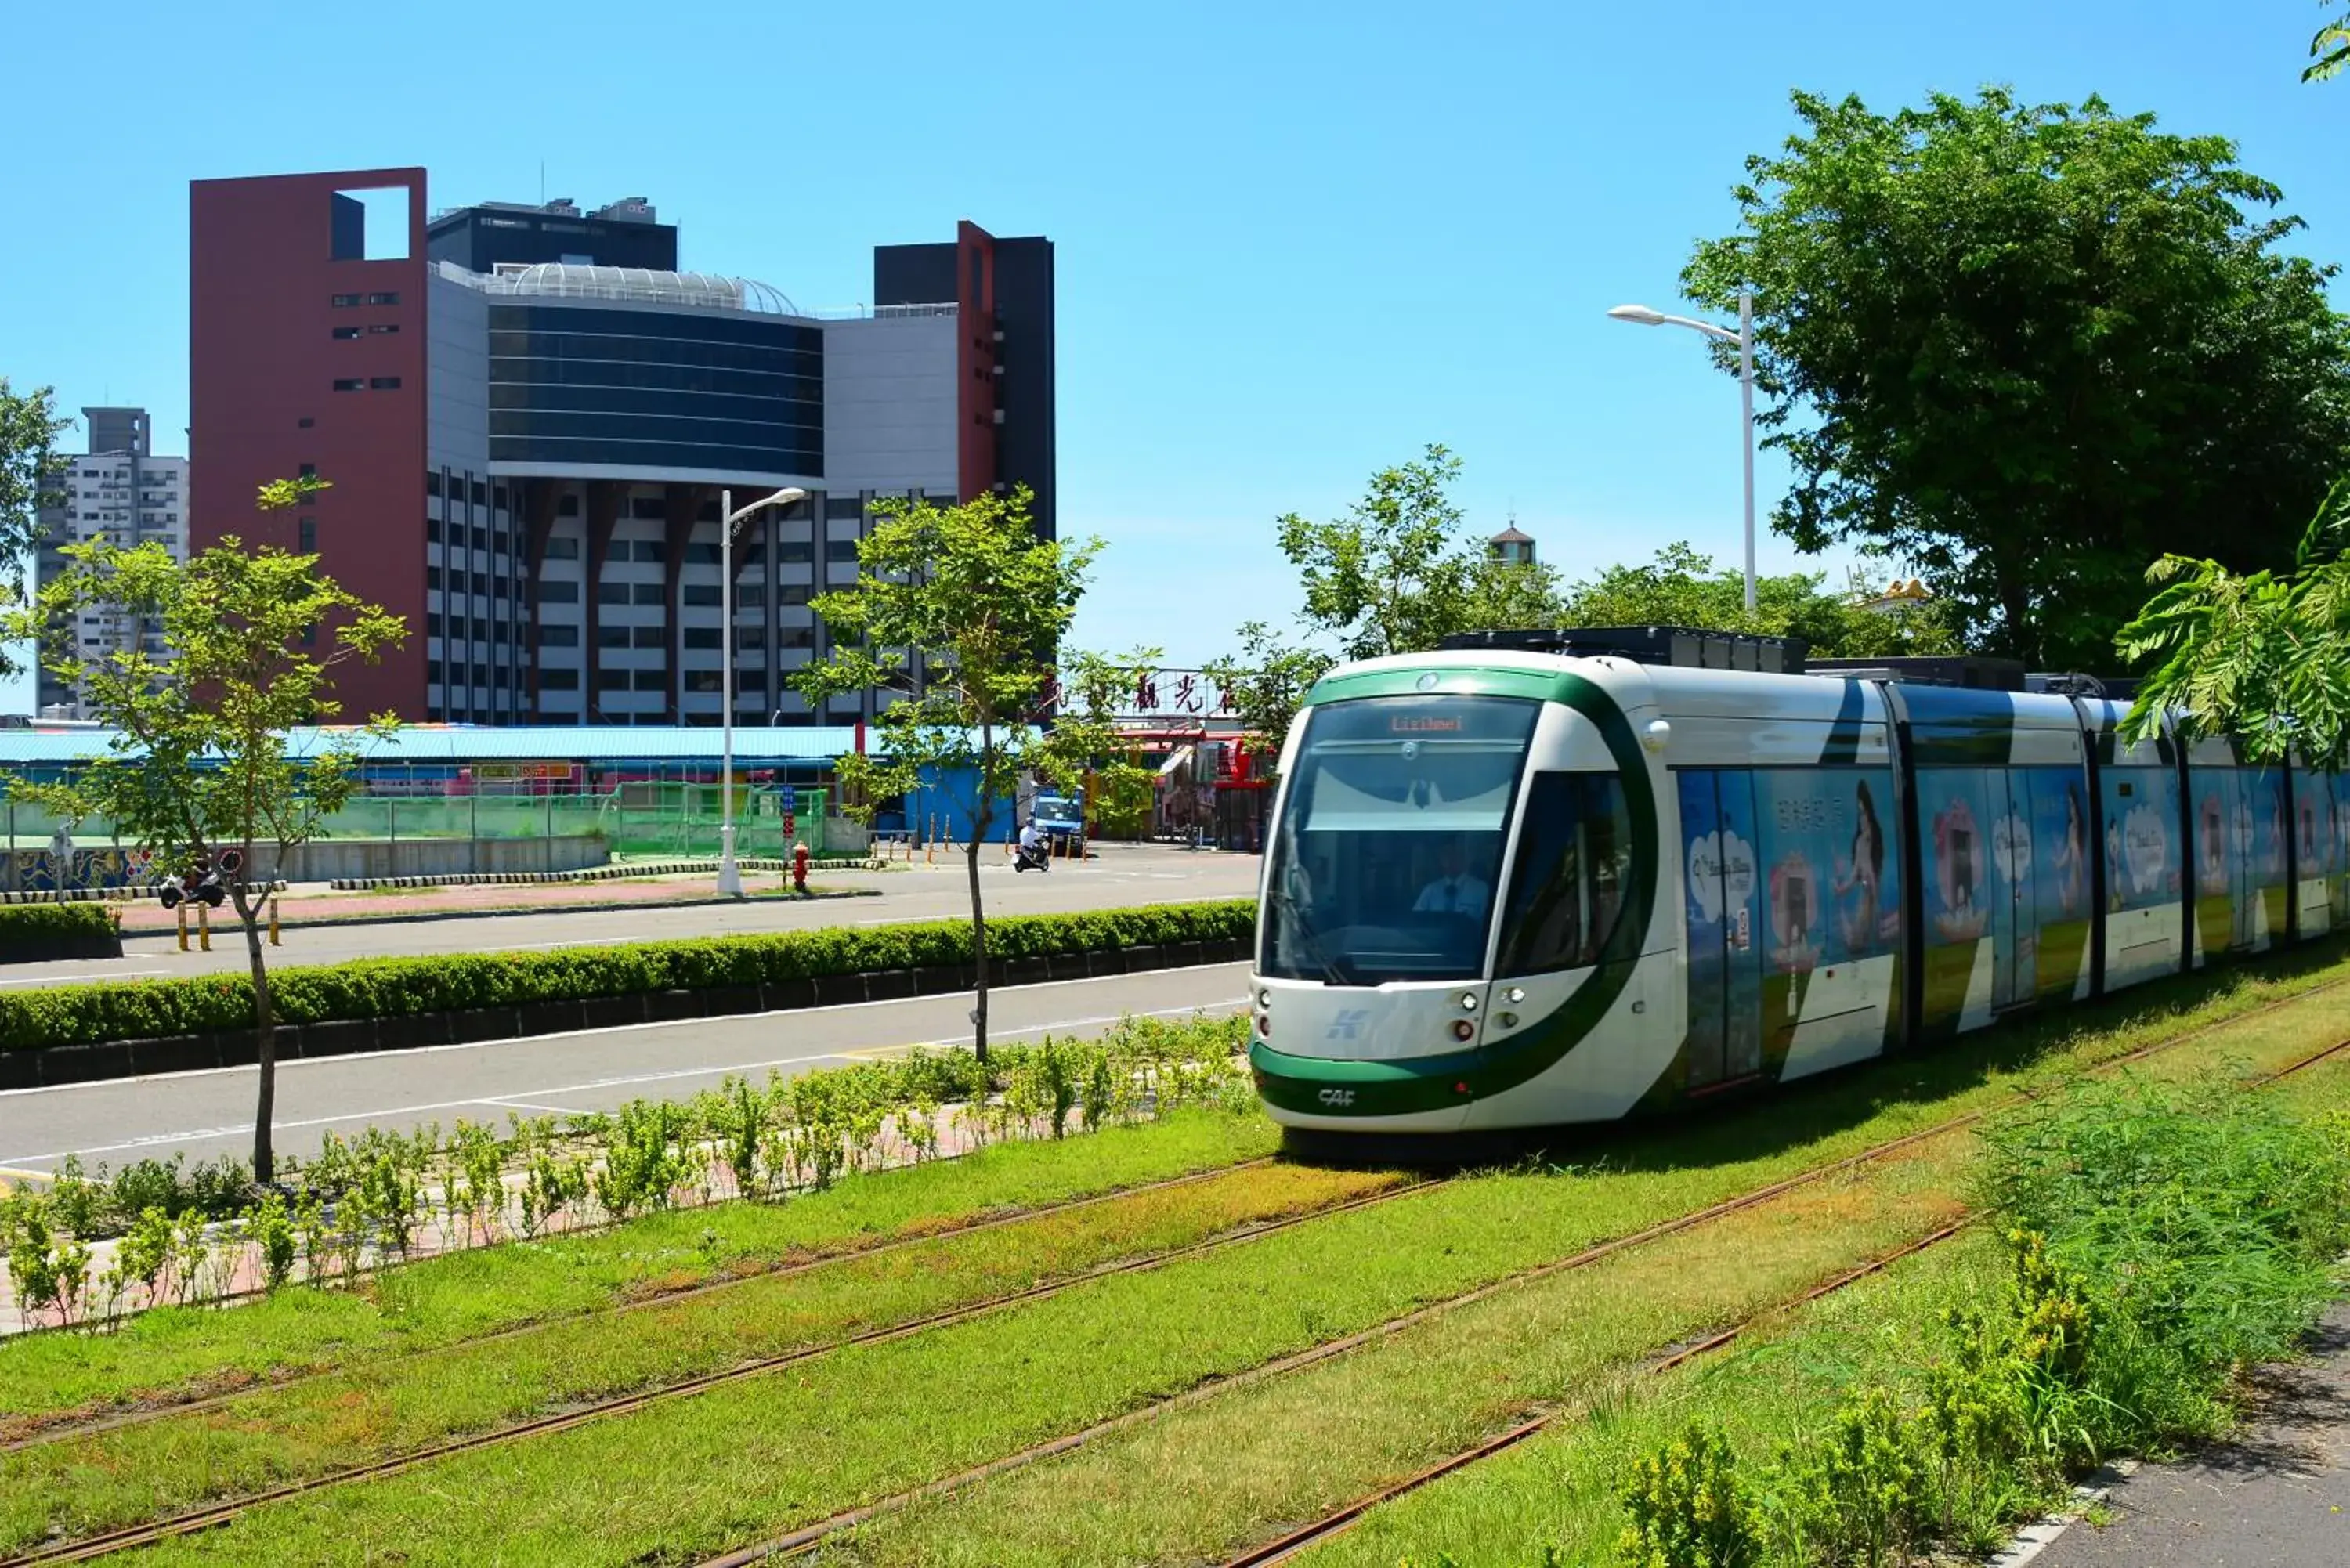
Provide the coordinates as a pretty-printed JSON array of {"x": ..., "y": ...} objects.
[
  {"x": 204, "y": 927},
  {"x": 183, "y": 927}
]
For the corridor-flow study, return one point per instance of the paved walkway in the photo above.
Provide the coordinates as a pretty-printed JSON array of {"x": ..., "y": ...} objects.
[{"x": 2277, "y": 1497}]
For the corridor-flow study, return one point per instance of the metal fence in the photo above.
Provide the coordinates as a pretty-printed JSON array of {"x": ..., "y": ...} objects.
[{"x": 635, "y": 820}]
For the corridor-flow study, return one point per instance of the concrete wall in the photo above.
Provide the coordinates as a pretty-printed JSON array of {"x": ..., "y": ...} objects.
[{"x": 890, "y": 399}]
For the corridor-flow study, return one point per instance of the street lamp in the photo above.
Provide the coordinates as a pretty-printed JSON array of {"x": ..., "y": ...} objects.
[
  {"x": 1642, "y": 315},
  {"x": 730, "y": 877}
]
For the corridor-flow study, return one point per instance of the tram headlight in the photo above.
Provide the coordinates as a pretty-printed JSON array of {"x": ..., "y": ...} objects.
[
  {"x": 1263, "y": 1026},
  {"x": 1464, "y": 1030},
  {"x": 1514, "y": 994},
  {"x": 1264, "y": 999},
  {"x": 1467, "y": 1002}
]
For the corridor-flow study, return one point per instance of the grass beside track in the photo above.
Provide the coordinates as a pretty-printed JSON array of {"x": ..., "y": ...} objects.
[
  {"x": 82, "y": 1485},
  {"x": 1787, "y": 1376},
  {"x": 751, "y": 1459},
  {"x": 1204, "y": 1482},
  {"x": 176, "y": 1352}
]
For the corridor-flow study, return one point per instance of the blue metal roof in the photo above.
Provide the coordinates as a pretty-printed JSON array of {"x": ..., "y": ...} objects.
[{"x": 445, "y": 743}]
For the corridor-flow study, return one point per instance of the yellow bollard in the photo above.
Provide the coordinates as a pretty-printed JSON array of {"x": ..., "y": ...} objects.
[
  {"x": 273, "y": 922},
  {"x": 183, "y": 927},
  {"x": 930, "y": 842},
  {"x": 204, "y": 927}
]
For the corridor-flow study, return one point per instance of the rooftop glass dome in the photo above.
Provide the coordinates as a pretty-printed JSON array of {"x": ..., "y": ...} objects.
[{"x": 572, "y": 280}]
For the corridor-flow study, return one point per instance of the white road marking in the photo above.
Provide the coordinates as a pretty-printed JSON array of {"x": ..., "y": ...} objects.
[
  {"x": 513, "y": 1104},
  {"x": 71, "y": 979},
  {"x": 563, "y": 1034}
]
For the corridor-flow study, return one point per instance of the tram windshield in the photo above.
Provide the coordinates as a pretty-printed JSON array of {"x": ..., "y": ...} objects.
[{"x": 1389, "y": 844}]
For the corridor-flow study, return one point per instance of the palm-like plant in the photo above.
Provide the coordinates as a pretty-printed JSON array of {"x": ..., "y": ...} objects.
[{"x": 2263, "y": 658}]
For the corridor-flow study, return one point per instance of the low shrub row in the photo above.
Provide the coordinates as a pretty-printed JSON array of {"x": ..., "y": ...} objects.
[
  {"x": 457, "y": 982},
  {"x": 2162, "y": 1241},
  {"x": 32, "y": 932}
]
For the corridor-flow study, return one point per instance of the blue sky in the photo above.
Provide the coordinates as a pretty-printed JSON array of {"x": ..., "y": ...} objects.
[{"x": 1295, "y": 242}]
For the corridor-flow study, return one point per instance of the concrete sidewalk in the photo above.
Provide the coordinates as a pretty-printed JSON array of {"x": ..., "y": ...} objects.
[{"x": 2277, "y": 1496}]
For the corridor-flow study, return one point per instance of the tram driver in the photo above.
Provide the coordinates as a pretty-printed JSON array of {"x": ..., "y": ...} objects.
[{"x": 1454, "y": 891}]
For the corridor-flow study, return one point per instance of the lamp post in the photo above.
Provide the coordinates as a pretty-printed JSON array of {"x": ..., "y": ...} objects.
[
  {"x": 730, "y": 877},
  {"x": 1642, "y": 315}
]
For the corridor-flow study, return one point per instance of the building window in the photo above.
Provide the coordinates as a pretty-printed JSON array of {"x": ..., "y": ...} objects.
[
  {"x": 559, "y": 637},
  {"x": 750, "y": 595},
  {"x": 616, "y": 593},
  {"x": 611, "y": 680},
  {"x": 344, "y": 301},
  {"x": 701, "y": 637},
  {"x": 558, "y": 681},
  {"x": 795, "y": 551},
  {"x": 792, "y": 593},
  {"x": 795, "y": 636},
  {"x": 432, "y": 624},
  {"x": 647, "y": 508},
  {"x": 432, "y": 576},
  {"x": 383, "y": 300},
  {"x": 498, "y": 631},
  {"x": 433, "y": 671},
  {"x": 750, "y": 638},
  {"x": 562, "y": 549},
  {"x": 702, "y": 594},
  {"x": 652, "y": 637},
  {"x": 501, "y": 675},
  {"x": 345, "y": 333},
  {"x": 480, "y": 493},
  {"x": 840, "y": 550},
  {"x": 384, "y": 384},
  {"x": 306, "y": 532},
  {"x": 650, "y": 680},
  {"x": 841, "y": 507},
  {"x": 432, "y": 484},
  {"x": 567, "y": 505},
  {"x": 611, "y": 637},
  {"x": 648, "y": 593},
  {"x": 307, "y": 470},
  {"x": 431, "y": 530},
  {"x": 558, "y": 593},
  {"x": 482, "y": 584},
  {"x": 750, "y": 683},
  {"x": 499, "y": 588},
  {"x": 704, "y": 555},
  {"x": 350, "y": 384},
  {"x": 381, "y": 328}
]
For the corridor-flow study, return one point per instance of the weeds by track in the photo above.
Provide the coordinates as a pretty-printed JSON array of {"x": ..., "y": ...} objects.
[
  {"x": 807, "y": 1538},
  {"x": 1340, "y": 1521},
  {"x": 65, "y": 1427}
]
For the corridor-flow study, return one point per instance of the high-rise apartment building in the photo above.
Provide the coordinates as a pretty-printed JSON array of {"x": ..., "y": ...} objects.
[
  {"x": 529, "y": 417},
  {"x": 121, "y": 492}
]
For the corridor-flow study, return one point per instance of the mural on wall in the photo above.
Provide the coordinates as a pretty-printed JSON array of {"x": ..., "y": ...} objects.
[{"x": 48, "y": 871}]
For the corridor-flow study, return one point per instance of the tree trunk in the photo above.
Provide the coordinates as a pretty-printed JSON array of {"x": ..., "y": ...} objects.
[
  {"x": 265, "y": 1020},
  {"x": 981, "y": 815}
]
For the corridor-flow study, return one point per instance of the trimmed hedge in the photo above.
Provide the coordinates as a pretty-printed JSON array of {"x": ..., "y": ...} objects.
[
  {"x": 32, "y": 933},
  {"x": 395, "y": 987}
]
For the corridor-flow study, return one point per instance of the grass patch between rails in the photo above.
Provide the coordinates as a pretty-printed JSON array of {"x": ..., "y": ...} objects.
[
  {"x": 80, "y": 1485},
  {"x": 461, "y": 1295},
  {"x": 717, "y": 1469},
  {"x": 1789, "y": 1384},
  {"x": 1202, "y": 1482}
]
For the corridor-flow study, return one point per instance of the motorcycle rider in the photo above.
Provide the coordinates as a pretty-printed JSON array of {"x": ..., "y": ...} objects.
[{"x": 1032, "y": 845}]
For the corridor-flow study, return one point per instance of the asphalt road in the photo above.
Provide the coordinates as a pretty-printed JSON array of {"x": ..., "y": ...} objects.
[
  {"x": 1123, "y": 875},
  {"x": 206, "y": 1113}
]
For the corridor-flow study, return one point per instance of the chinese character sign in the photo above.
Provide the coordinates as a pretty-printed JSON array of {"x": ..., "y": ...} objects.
[{"x": 1176, "y": 694}]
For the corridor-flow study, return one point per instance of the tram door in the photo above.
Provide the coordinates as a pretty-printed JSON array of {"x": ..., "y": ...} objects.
[{"x": 1719, "y": 889}]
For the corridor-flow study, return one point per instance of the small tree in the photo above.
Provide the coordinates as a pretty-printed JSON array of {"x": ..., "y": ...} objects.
[
  {"x": 1398, "y": 574},
  {"x": 958, "y": 613},
  {"x": 198, "y": 762}
]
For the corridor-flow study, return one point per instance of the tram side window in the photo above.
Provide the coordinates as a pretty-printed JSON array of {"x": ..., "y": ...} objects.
[{"x": 1574, "y": 874}]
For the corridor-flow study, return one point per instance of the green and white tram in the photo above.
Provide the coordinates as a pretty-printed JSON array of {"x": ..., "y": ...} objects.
[{"x": 1507, "y": 888}]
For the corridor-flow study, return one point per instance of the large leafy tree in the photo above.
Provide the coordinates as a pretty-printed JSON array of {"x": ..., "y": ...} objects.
[
  {"x": 199, "y": 760},
  {"x": 29, "y": 427},
  {"x": 2028, "y": 348},
  {"x": 1398, "y": 574},
  {"x": 959, "y": 612},
  {"x": 1684, "y": 587}
]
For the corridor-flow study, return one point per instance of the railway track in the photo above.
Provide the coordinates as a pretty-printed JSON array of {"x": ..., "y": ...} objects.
[
  {"x": 800, "y": 1542},
  {"x": 49, "y": 1431},
  {"x": 1341, "y": 1520},
  {"x": 215, "y": 1515}
]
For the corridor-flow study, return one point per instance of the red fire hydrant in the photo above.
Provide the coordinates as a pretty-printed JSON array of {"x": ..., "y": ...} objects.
[{"x": 799, "y": 867}]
